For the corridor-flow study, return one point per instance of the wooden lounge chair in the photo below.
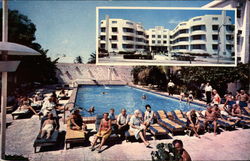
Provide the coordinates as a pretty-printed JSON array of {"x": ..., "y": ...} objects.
[
  {"x": 46, "y": 142},
  {"x": 242, "y": 123},
  {"x": 157, "y": 130},
  {"x": 246, "y": 110},
  {"x": 169, "y": 124},
  {"x": 179, "y": 117},
  {"x": 20, "y": 113},
  {"x": 226, "y": 124}
]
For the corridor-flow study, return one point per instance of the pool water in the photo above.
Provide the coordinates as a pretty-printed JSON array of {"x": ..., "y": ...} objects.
[{"x": 119, "y": 97}]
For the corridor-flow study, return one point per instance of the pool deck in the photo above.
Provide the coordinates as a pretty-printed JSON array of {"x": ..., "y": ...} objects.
[
  {"x": 228, "y": 145},
  {"x": 21, "y": 133}
]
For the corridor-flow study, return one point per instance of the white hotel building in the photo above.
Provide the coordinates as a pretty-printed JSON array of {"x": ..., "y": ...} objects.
[
  {"x": 119, "y": 35},
  {"x": 243, "y": 24},
  {"x": 210, "y": 34}
]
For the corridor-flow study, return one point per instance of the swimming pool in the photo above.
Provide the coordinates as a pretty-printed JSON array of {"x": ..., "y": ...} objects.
[{"x": 119, "y": 97}]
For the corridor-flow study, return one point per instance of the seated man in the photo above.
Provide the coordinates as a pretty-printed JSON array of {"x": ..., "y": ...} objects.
[
  {"x": 178, "y": 145},
  {"x": 193, "y": 122},
  {"x": 236, "y": 111},
  {"x": 210, "y": 118},
  {"x": 48, "y": 126},
  {"x": 76, "y": 122},
  {"x": 113, "y": 120},
  {"x": 122, "y": 122}
]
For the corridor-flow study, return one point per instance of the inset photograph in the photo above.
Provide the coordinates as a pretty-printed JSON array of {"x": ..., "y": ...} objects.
[{"x": 166, "y": 36}]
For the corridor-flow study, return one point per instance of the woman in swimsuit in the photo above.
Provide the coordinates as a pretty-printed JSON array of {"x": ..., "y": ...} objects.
[{"x": 103, "y": 132}]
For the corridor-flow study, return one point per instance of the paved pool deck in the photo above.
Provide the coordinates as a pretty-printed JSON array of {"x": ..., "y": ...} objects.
[
  {"x": 21, "y": 133},
  {"x": 228, "y": 145}
]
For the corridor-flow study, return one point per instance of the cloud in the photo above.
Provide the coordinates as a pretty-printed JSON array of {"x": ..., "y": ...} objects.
[{"x": 174, "y": 21}]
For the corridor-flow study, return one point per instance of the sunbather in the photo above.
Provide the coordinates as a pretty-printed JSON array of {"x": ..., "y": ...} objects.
[
  {"x": 178, "y": 145},
  {"x": 193, "y": 122},
  {"x": 48, "y": 126},
  {"x": 62, "y": 94},
  {"x": 25, "y": 104},
  {"x": 122, "y": 122},
  {"x": 210, "y": 118},
  {"x": 139, "y": 130},
  {"x": 49, "y": 106},
  {"x": 103, "y": 132},
  {"x": 76, "y": 122},
  {"x": 113, "y": 120},
  {"x": 190, "y": 97}
]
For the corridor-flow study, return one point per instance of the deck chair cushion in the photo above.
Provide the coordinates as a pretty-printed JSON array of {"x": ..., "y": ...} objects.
[
  {"x": 20, "y": 112},
  {"x": 52, "y": 139},
  {"x": 157, "y": 129}
]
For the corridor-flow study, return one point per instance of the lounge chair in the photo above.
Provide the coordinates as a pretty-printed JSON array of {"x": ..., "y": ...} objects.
[
  {"x": 179, "y": 117},
  {"x": 20, "y": 113},
  {"x": 158, "y": 130},
  {"x": 169, "y": 124},
  {"x": 46, "y": 142},
  {"x": 246, "y": 110},
  {"x": 73, "y": 136},
  {"x": 242, "y": 123},
  {"x": 226, "y": 124}
]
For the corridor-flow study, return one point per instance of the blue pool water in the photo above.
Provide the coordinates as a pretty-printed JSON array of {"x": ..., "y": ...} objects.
[{"x": 119, "y": 97}]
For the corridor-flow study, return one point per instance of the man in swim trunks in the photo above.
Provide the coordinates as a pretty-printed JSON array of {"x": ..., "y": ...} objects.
[
  {"x": 243, "y": 98},
  {"x": 211, "y": 118}
]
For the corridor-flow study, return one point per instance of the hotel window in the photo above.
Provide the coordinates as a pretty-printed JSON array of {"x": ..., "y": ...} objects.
[
  {"x": 114, "y": 29},
  {"x": 128, "y": 30},
  {"x": 215, "y": 46},
  {"x": 182, "y": 24},
  {"x": 164, "y": 42},
  {"x": 153, "y": 36},
  {"x": 128, "y": 38},
  {"x": 159, "y": 42},
  {"x": 153, "y": 41},
  {"x": 139, "y": 33},
  {"x": 113, "y": 37},
  {"x": 128, "y": 46},
  {"x": 147, "y": 36},
  {"x": 197, "y": 19},
  {"x": 198, "y": 37},
  {"x": 230, "y": 28},
  {"x": 164, "y": 36},
  {"x": 215, "y": 18},
  {"x": 229, "y": 47},
  {"x": 183, "y": 47},
  {"x": 215, "y": 37},
  {"x": 229, "y": 37},
  {"x": 102, "y": 37},
  {"x": 159, "y": 36},
  {"x": 129, "y": 23},
  {"x": 102, "y": 46},
  {"x": 215, "y": 27},
  {"x": 103, "y": 29},
  {"x": 199, "y": 27},
  {"x": 198, "y": 46},
  {"x": 114, "y": 46},
  {"x": 114, "y": 22}
]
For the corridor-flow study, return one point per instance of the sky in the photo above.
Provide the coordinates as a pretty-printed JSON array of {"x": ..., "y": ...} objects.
[
  {"x": 69, "y": 27},
  {"x": 149, "y": 18}
]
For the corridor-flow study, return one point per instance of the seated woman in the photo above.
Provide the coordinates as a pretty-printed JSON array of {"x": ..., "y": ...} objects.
[
  {"x": 122, "y": 122},
  {"x": 148, "y": 116},
  {"x": 48, "y": 126},
  {"x": 139, "y": 130},
  {"x": 103, "y": 132},
  {"x": 76, "y": 122},
  {"x": 25, "y": 104},
  {"x": 193, "y": 122}
]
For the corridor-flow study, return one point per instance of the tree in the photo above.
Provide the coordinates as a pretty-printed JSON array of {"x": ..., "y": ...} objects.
[
  {"x": 79, "y": 60},
  {"x": 31, "y": 68},
  {"x": 92, "y": 59}
]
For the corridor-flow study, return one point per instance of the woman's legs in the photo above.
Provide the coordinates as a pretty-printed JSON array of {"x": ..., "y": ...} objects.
[
  {"x": 102, "y": 142},
  {"x": 143, "y": 138},
  {"x": 94, "y": 142}
]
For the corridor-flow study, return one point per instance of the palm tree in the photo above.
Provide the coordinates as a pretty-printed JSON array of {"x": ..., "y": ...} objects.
[{"x": 92, "y": 59}]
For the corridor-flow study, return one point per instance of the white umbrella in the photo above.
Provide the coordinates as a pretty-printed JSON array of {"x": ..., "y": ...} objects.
[{"x": 17, "y": 49}]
